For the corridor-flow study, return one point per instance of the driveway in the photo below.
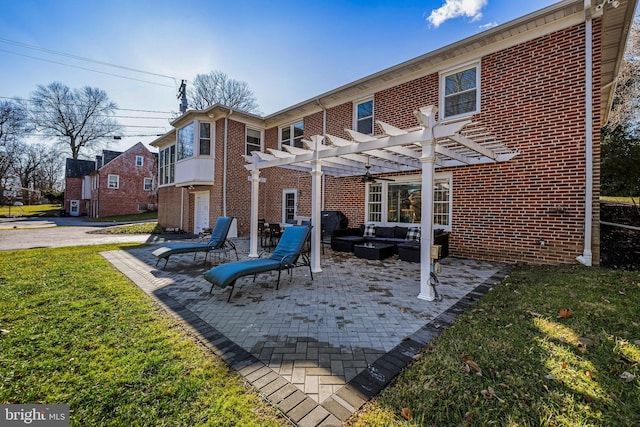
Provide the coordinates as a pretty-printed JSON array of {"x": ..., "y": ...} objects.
[{"x": 26, "y": 233}]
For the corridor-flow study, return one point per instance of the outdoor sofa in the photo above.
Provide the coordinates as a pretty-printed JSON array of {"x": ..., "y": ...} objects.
[{"x": 406, "y": 240}]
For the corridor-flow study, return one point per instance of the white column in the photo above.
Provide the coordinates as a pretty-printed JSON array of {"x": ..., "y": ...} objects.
[
  {"x": 316, "y": 205},
  {"x": 428, "y": 160},
  {"x": 253, "y": 233}
]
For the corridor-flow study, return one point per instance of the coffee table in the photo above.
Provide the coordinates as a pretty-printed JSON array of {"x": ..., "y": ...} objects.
[{"x": 373, "y": 251}]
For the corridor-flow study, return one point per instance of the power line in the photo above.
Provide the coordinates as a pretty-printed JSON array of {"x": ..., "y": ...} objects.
[
  {"x": 86, "y": 69},
  {"x": 119, "y": 109},
  {"x": 82, "y": 58}
]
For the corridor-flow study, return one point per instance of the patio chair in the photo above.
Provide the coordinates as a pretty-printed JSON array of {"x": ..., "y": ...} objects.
[
  {"x": 287, "y": 255},
  {"x": 217, "y": 243}
]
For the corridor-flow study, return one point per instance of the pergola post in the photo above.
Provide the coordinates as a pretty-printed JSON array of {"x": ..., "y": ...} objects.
[
  {"x": 316, "y": 232},
  {"x": 428, "y": 162},
  {"x": 253, "y": 231}
]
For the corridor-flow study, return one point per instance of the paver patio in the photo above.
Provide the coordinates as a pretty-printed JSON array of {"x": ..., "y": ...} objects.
[{"x": 317, "y": 349}]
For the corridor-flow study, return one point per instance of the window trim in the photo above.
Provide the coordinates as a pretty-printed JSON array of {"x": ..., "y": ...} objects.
[
  {"x": 442, "y": 78},
  {"x": 198, "y": 138},
  {"x": 170, "y": 166},
  {"x": 246, "y": 135},
  {"x": 373, "y": 113},
  {"x": 407, "y": 179},
  {"x": 141, "y": 158},
  {"x": 117, "y": 178},
  {"x": 196, "y": 131},
  {"x": 144, "y": 184},
  {"x": 291, "y": 127}
]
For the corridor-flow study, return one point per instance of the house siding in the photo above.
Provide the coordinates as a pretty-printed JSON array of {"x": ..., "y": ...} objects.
[
  {"x": 130, "y": 196},
  {"x": 532, "y": 100}
]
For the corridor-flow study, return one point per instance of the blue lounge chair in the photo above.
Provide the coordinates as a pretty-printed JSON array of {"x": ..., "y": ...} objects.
[
  {"x": 286, "y": 255},
  {"x": 217, "y": 243}
]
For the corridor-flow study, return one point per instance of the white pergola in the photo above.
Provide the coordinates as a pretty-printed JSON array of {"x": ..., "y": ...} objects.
[{"x": 421, "y": 148}]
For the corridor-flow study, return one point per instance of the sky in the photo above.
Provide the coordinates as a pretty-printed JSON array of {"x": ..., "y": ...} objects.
[{"x": 287, "y": 51}]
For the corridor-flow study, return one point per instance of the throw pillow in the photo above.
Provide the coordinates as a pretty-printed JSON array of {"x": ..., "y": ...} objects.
[
  {"x": 413, "y": 234},
  {"x": 369, "y": 230}
]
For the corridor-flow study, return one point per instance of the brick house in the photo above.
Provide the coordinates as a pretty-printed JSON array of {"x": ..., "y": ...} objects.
[
  {"x": 116, "y": 183},
  {"x": 539, "y": 87}
]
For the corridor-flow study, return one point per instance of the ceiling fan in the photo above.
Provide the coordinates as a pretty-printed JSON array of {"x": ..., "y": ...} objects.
[{"x": 367, "y": 177}]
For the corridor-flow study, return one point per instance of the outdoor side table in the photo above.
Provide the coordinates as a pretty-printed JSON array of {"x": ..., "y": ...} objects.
[{"x": 373, "y": 251}]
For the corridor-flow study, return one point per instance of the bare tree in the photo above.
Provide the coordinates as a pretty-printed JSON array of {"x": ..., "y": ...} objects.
[
  {"x": 624, "y": 111},
  {"x": 13, "y": 127},
  {"x": 217, "y": 87},
  {"x": 76, "y": 118}
]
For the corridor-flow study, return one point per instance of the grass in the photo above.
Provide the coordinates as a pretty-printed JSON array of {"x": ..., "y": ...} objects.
[
  {"x": 537, "y": 368},
  {"x": 76, "y": 331},
  {"x": 144, "y": 216},
  {"x": 615, "y": 199},
  {"x": 45, "y": 210}
]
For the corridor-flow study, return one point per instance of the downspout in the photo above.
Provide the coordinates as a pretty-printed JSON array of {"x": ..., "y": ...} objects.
[
  {"x": 224, "y": 164},
  {"x": 182, "y": 208},
  {"x": 324, "y": 136},
  {"x": 586, "y": 257}
]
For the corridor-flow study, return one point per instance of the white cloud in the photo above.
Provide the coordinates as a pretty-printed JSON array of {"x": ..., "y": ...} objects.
[
  {"x": 488, "y": 25},
  {"x": 456, "y": 8}
]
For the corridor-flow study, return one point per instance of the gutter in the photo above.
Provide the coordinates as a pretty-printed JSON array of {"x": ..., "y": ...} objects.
[{"x": 587, "y": 257}]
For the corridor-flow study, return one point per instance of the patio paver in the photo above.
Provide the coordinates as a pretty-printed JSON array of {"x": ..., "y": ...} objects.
[{"x": 317, "y": 349}]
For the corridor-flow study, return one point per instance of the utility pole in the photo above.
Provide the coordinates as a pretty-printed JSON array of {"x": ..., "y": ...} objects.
[{"x": 182, "y": 96}]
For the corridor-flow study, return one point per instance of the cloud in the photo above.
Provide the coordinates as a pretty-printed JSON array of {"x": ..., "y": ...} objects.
[
  {"x": 488, "y": 25},
  {"x": 456, "y": 8}
]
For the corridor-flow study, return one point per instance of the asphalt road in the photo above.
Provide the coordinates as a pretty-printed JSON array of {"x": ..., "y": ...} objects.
[{"x": 25, "y": 233}]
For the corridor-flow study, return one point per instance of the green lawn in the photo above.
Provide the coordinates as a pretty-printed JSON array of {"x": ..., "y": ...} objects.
[
  {"x": 76, "y": 331},
  {"x": 30, "y": 210},
  {"x": 537, "y": 367}
]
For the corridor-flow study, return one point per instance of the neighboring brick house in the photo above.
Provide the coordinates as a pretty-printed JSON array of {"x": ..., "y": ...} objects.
[
  {"x": 116, "y": 183},
  {"x": 542, "y": 85}
]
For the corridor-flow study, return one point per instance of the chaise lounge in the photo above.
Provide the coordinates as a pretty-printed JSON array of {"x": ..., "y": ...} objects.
[
  {"x": 285, "y": 256},
  {"x": 217, "y": 243}
]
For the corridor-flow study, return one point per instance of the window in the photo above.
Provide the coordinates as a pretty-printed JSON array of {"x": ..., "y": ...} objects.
[
  {"x": 167, "y": 165},
  {"x": 460, "y": 92},
  {"x": 205, "y": 139},
  {"x": 254, "y": 141},
  {"x": 375, "y": 202},
  {"x": 139, "y": 160},
  {"x": 185, "y": 141},
  {"x": 364, "y": 117},
  {"x": 400, "y": 202},
  {"x": 113, "y": 181},
  {"x": 148, "y": 184},
  {"x": 292, "y": 135}
]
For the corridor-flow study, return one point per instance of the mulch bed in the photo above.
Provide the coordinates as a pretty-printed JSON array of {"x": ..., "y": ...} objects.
[{"x": 620, "y": 247}]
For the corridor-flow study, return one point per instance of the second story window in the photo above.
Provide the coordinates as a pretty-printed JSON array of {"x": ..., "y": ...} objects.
[
  {"x": 167, "y": 165},
  {"x": 113, "y": 181},
  {"x": 185, "y": 141},
  {"x": 460, "y": 92},
  {"x": 292, "y": 134},
  {"x": 364, "y": 117},
  {"x": 254, "y": 141},
  {"x": 139, "y": 160},
  {"x": 205, "y": 139}
]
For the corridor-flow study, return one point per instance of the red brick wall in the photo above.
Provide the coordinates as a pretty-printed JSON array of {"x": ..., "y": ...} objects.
[
  {"x": 131, "y": 194},
  {"x": 73, "y": 191},
  {"x": 532, "y": 99}
]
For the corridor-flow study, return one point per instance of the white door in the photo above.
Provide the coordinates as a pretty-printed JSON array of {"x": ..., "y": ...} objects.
[
  {"x": 289, "y": 205},
  {"x": 74, "y": 208},
  {"x": 201, "y": 213}
]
